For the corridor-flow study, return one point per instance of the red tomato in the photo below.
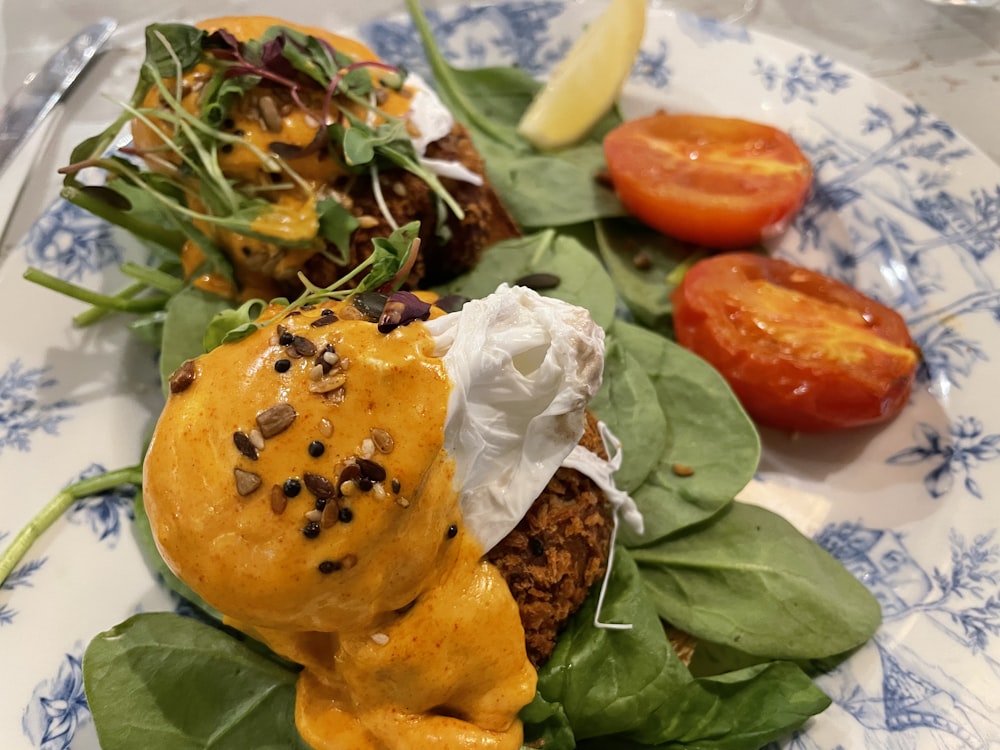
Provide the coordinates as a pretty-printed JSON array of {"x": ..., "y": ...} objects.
[
  {"x": 713, "y": 181},
  {"x": 802, "y": 351}
]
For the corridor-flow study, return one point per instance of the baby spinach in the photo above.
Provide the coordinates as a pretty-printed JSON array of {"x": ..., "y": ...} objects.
[
  {"x": 539, "y": 189},
  {"x": 761, "y": 587},
  {"x": 582, "y": 279},
  {"x": 707, "y": 431},
  {"x": 160, "y": 680},
  {"x": 623, "y": 403},
  {"x": 609, "y": 681},
  {"x": 641, "y": 262}
]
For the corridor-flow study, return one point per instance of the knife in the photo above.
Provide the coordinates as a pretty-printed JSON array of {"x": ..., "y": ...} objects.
[{"x": 29, "y": 105}]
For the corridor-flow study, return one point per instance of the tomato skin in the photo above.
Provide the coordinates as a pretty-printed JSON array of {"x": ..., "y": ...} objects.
[
  {"x": 718, "y": 182},
  {"x": 801, "y": 351}
]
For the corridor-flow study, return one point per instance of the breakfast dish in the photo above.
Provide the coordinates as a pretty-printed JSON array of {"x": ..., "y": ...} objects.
[{"x": 906, "y": 512}]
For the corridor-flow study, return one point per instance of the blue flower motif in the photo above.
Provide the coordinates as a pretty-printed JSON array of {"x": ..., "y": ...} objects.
[
  {"x": 104, "y": 511},
  {"x": 21, "y": 413},
  {"x": 651, "y": 66},
  {"x": 803, "y": 78},
  {"x": 58, "y": 707},
  {"x": 69, "y": 242},
  {"x": 958, "y": 454},
  {"x": 704, "y": 29}
]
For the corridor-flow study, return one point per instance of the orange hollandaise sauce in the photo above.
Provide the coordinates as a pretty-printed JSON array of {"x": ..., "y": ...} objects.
[
  {"x": 263, "y": 116},
  {"x": 297, "y": 482}
]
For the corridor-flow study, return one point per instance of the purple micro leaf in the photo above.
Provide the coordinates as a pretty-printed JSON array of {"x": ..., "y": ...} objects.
[{"x": 401, "y": 309}]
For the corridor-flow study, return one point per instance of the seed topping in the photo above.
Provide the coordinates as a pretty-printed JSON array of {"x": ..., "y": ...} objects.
[
  {"x": 291, "y": 487},
  {"x": 279, "y": 500},
  {"x": 276, "y": 420},
  {"x": 316, "y": 448},
  {"x": 303, "y": 346},
  {"x": 311, "y": 530},
  {"x": 282, "y": 365},
  {"x": 383, "y": 440},
  {"x": 182, "y": 377},
  {"x": 318, "y": 485},
  {"x": 452, "y": 531},
  {"x": 246, "y": 481},
  {"x": 371, "y": 470},
  {"x": 243, "y": 444}
]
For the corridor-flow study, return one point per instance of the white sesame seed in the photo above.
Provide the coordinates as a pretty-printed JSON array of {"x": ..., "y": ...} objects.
[
  {"x": 325, "y": 427},
  {"x": 331, "y": 358},
  {"x": 348, "y": 488},
  {"x": 379, "y": 491},
  {"x": 402, "y": 502},
  {"x": 257, "y": 439},
  {"x": 314, "y": 515},
  {"x": 380, "y": 638},
  {"x": 367, "y": 448}
]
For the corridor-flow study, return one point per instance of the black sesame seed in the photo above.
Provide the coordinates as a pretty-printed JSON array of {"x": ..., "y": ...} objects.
[
  {"x": 227, "y": 148},
  {"x": 326, "y": 311},
  {"x": 244, "y": 446},
  {"x": 282, "y": 365},
  {"x": 316, "y": 448},
  {"x": 396, "y": 486},
  {"x": 321, "y": 502},
  {"x": 365, "y": 484},
  {"x": 452, "y": 531},
  {"x": 345, "y": 515},
  {"x": 311, "y": 530},
  {"x": 328, "y": 566},
  {"x": 536, "y": 546},
  {"x": 285, "y": 338},
  {"x": 292, "y": 487}
]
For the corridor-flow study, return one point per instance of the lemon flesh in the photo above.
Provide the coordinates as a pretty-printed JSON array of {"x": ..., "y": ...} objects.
[{"x": 585, "y": 84}]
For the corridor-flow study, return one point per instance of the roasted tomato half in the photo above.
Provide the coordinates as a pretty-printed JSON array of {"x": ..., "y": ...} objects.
[
  {"x": 713, "y": 181},
  {"x": 802, "y": 351}
]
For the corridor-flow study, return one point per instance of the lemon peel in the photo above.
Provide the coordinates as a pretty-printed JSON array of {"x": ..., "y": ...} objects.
[{"x": 586, "y": 82}]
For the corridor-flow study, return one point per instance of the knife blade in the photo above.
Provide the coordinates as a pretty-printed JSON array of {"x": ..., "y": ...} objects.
[{"x": 39, "y": 93}]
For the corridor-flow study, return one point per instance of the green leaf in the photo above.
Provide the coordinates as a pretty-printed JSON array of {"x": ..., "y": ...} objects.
[
  {"x": 707, "y": 430},
  {"x": 739, "y": 711},
  {"x": 336, "y": 225},
  {"x": 623, "y": 403},
  {"x": 582, "y": 279},
  {"x": 609, "y": 681},
  {"x": 389, "y": 256},
  {"x": 546, "y": 725},
  {"x": 230, "y": 325},
  {"x": 170, "y": 44},
  {"x": 644, "y": 289},
  {"x": 748, "y": 580},
  {"x": 164, "y": 682},
  {"x": 188, "y": 316},
  {"x": 540, "y": 190}
]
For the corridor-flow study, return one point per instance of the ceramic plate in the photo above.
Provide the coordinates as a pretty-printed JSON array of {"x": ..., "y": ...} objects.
[{"x": 903, "y": 208}]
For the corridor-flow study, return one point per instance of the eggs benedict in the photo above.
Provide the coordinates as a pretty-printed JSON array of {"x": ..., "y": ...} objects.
[
  {"x": 333, "y": 482},
  {"x": 270, "y": 149}
]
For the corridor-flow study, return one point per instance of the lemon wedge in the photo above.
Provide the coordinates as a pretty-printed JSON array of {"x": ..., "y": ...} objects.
[{"x": 585, "y": 84}]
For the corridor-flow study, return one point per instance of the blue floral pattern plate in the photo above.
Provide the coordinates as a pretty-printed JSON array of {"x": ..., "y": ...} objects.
[{"x": 903, "y": 208}]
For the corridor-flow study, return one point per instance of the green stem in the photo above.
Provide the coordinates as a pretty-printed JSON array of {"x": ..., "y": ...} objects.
[
  {"x": 153, "y": 277},
  {"x": 59, "y": 505},
  {"x": 146, "y": 230},
  {"x": 95, "y": 313},
  {"x": 146, "y": 304}
]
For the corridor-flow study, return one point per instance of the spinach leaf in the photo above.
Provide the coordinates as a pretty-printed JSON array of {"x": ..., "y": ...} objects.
[
  {"x": 188, "y": 315},
  {"x": 641, "y": 262},
  {"x": 336, "y": 225},
  {"x": 761, "y": 587},
  {"x": 609, "y": 681},
  {"x": 739, "y": 711},
  {"x": 582, "y": 279},
  {"x": 707, "y": 430},
  {"x": 546, "y": 725},
  {"x": 230, "y": 325},
  {"x": 540, "y": 190},
  {"x": 623, "y": 403},
  {"x": 169, "y": 45},
  {"x": 165, "y": 682}
]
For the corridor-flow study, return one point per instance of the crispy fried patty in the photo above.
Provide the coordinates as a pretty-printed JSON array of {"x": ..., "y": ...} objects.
[
  {"x": 449, "y": 245},
  {"x": 557, "y": 552}
]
